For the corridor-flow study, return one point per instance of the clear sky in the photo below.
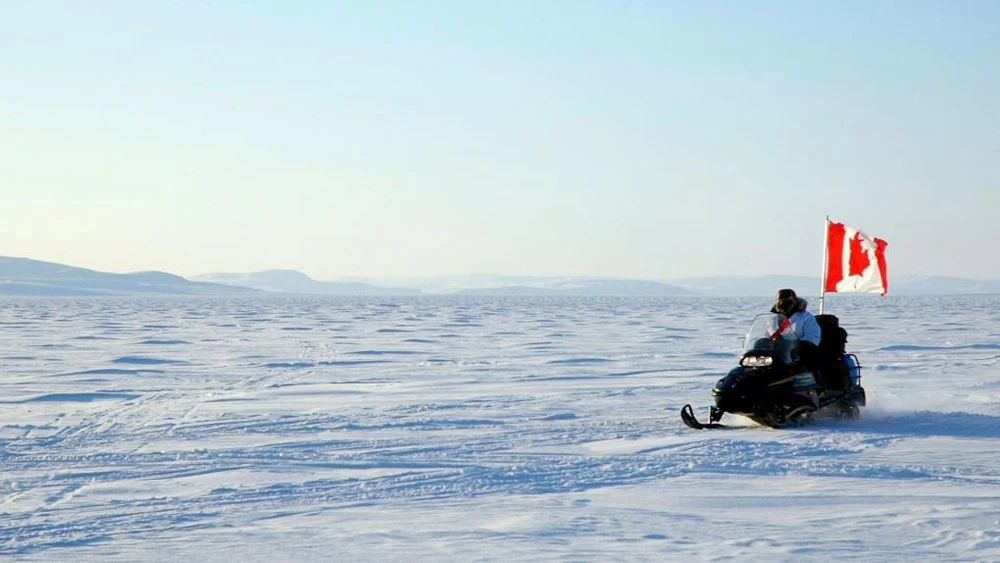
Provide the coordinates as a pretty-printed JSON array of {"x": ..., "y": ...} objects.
[{"x": 637, "y": 139}]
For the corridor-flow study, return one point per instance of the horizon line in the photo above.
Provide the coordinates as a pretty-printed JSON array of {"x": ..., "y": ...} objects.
[{"x": 482, "y": 274}]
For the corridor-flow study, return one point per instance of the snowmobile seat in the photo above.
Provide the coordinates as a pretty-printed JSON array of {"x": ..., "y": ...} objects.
[
  {"x": 833, "y": 342},
  {"x": 832, "y": 347}
]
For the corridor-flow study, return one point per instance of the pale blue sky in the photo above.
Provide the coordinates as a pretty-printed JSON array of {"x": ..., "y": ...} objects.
[{"x": 639, "y": 139}]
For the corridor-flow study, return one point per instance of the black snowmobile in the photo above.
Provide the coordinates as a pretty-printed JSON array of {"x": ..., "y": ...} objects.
[{"x": 774, "y": 387}]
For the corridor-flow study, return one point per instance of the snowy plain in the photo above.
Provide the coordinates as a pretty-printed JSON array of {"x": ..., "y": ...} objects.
[{"x": 481, "y": 429}]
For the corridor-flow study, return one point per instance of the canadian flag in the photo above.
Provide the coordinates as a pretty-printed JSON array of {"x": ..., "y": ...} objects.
[{"x": 855, "y": 262}]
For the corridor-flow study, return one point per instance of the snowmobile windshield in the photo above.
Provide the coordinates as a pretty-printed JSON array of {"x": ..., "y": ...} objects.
[{"x": 760, "y": 338}]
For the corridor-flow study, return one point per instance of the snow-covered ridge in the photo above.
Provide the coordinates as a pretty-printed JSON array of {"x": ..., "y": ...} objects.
[
  {"x": 22, "y": 276},
  {"x": 291, "y": 281}
]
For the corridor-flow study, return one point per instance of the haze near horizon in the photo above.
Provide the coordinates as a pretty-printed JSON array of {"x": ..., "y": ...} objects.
[{"x": 651, "y": 140}]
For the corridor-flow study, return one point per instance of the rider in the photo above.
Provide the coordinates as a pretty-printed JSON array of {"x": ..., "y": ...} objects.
[{"x": 801, "y": 322}]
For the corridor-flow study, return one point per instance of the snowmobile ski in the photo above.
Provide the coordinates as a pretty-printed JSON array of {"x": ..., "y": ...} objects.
[{"x": 687, "y": 415}]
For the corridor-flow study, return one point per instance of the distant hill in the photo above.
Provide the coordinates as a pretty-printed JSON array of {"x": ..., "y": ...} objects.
[
  {"x": 291, "y": 281},
  {"x": 899, "y": 285},
  {"x": 498, "y": 284},
  {"x": 456, "y": 283},
  {"x": 24, "y": 276},
  {"x": 583, "y": 286},
  {"x": 934, "y": 285},
  {"x": 738, "y": 286}
]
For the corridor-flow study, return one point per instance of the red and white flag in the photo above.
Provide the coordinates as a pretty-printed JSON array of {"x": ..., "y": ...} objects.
[{"x": 855, "y": 262}]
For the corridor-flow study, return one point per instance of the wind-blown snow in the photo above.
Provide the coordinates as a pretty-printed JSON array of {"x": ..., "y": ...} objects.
[{"x": 451, "y": 428}]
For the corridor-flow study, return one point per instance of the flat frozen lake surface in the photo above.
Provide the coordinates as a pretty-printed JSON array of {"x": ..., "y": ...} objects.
[{"x": 479, "y": 429}]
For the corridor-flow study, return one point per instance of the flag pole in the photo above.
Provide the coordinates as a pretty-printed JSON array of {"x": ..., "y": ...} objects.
[{"x": 826, "y": 252}]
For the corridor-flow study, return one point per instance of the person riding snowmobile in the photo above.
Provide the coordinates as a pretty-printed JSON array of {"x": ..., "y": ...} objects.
[
  {"x": 828, "y": 365},
  {"x": 802, "y": 323}
]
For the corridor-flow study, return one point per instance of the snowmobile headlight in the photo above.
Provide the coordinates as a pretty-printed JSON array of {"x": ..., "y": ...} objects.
[{"x": 756, "y": 361}]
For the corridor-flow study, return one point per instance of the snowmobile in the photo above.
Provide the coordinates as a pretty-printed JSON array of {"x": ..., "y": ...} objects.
[{"x": 773, "y": 387}]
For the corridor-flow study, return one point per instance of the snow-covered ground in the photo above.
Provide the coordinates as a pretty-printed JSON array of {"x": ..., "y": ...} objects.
[{"x": 481, "y": 429}]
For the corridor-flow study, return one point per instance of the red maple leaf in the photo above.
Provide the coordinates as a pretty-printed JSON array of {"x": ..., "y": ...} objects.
[{"x": 859, "y": 260}]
